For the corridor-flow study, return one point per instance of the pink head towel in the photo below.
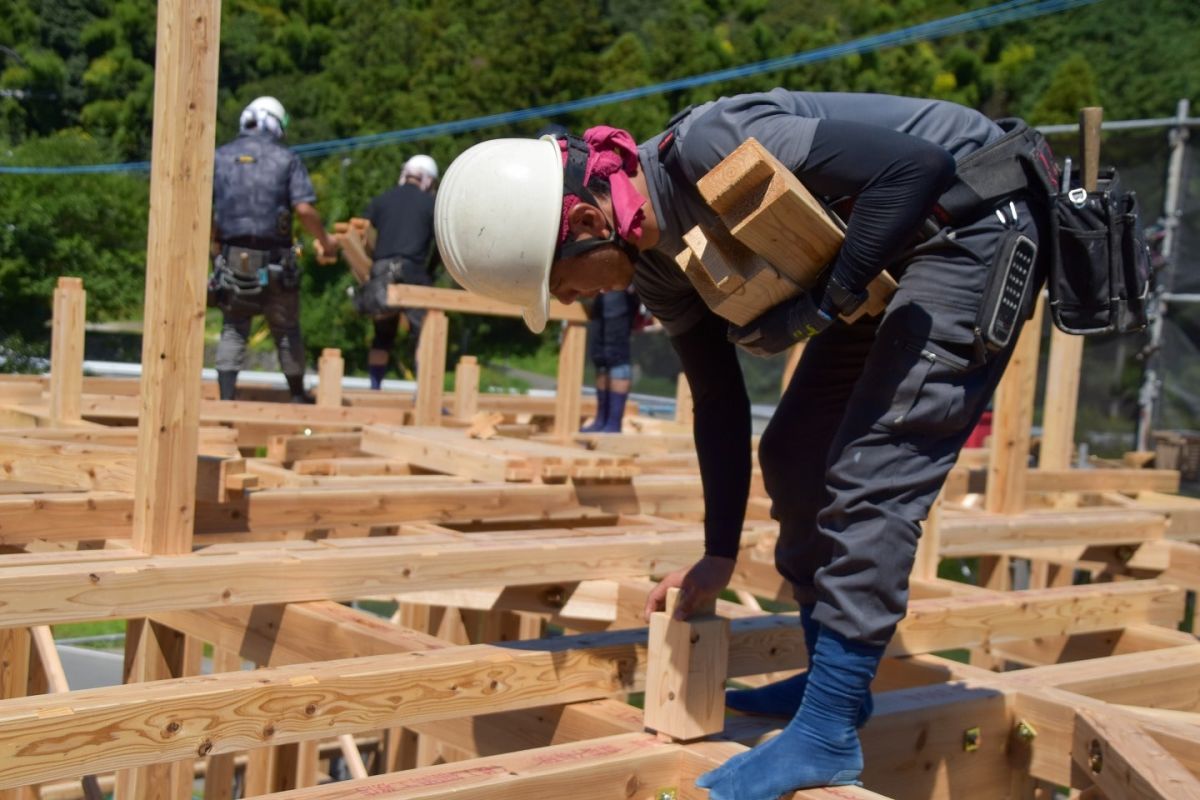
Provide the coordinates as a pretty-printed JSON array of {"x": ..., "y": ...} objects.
[{"x": 613, "y": 156}]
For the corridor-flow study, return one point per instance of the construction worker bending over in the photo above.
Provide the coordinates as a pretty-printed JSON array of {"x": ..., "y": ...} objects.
[
  {"x": 876, "y": 412},
  {"x": 257, "y": 183},
  {"x": 404, "y": 253}
]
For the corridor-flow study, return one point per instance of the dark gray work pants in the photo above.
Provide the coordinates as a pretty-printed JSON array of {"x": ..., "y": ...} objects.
[
  {"x": 870, "y": 425},
  {"x": 281, "y": 307}
]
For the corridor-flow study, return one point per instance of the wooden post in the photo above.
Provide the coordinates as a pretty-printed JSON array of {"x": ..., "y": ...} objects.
[
  {"x": 1008, "y": 461},
  {"x": 154, "y": 652},
  {"x": 568, "y": 401},
  {"x": 14, "y": 679},
  {"x": 466, "y": 387},
  {"x": 66, "y": 350},
  {"x": 185, "y": 103},
  {"x": 926, "y": 565},
  {"x": 1066, "y": 351},
  {"x": 685, "y": 674},
  {"x": 685, "y": 409},
  {"x": 431, "y": 368},
  {"x": 330, "y": 369},
  {"x": 789, "y": 368},
  {"x": 218, "y": 772}
]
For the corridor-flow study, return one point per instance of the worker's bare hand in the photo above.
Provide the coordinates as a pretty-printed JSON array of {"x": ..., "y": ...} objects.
[
  {"x": 326, "y": 248},
  {"x": 698, "y": 585}
]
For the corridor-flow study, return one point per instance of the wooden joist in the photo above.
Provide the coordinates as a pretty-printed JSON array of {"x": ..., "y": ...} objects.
[{"x": 497, "y": 459}]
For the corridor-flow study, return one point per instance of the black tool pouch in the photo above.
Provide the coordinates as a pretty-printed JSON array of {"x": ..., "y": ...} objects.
[
  {"x": 371, "y": 299},
  {"x": 1100, "y": 266}
]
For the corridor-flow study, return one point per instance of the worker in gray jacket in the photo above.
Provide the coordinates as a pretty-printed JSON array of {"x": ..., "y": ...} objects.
[
  {"x": 257, "y": 184},
  {"x": 876, "y": 411}
]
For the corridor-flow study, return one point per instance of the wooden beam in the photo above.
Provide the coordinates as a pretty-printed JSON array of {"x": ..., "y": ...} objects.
[
  {"x": 66, "y": 350},
  {"x": 97, "y": 515},
  {"x": 66, "y": 465},
  {"x": 297, "y": 633},
  {"x": 340, "y": 570},
  {"x": 569, "y": 386},
  {"x": 431, "y": 368},
  {"x": 976, "y": 533},
  {"x": 1009, "y": 458},
  {"x": 412, "y": 296},
  {"x": 1125, "y": 762}
]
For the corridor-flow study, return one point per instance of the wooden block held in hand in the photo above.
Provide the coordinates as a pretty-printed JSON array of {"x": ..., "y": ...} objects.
[{"x": 685, "y": 676}]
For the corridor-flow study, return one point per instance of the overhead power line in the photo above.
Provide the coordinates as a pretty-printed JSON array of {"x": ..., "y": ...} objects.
[{"x": 979, "y": 19}]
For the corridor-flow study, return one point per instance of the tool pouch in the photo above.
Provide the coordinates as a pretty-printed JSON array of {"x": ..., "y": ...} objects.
[
  {"x": 370, "y": 299},
  {"x": 246, "y": 270},
  {"x": 1100, "y": 266}
]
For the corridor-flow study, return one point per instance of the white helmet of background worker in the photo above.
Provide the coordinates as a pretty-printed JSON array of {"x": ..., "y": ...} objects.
[
  {"x": 265, "y": 113},
  {"x": 422, "y": 164},
  {"x": 497, "y": 220}
]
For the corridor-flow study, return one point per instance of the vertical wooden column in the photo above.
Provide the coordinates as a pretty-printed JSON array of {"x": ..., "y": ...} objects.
[
  {"x": 1008, "y": 461},
  {"x": 431, "y": 368},
  {"x": 219, "y": 769},
  {"x": 155, "y": 650},
  {"x": 185, "y": 104},
  {"x": 789, "y": 368},
  {"x": 466, "y": 387},
  {"x": 684, "y": 405},
  {"x": 66, "y": 350},
  {"x": 568, "y": 402},
  {"x": 928, "y": 556},
  {"x": 685, "y": 674},
  {"x": 330, "y": 369},
  {"x": 1066, "y": 351}
]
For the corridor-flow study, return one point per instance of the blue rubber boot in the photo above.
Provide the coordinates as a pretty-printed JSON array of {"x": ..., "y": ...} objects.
[
  {"x": 783, "y": 698},
  {"x": 376, "y": 373},
  {"x": 597, "y": 424},
  {"x": 819, "y": 747},
  {"x": 616, "y": 411}
]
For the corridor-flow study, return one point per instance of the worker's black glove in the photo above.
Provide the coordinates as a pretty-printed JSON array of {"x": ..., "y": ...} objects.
[{"x": 777, "y": 329}]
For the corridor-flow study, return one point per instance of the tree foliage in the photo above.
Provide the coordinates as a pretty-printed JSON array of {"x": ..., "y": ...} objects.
[{"x": 76, "y": 86}]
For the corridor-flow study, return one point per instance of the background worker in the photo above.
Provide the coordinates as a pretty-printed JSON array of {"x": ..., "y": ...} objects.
[
  {"x": 257, "y": 184},
  {"x": 610, "y": 326},
  {"x": 876, "y": 411},
  {"x": 404, "y": 253}
]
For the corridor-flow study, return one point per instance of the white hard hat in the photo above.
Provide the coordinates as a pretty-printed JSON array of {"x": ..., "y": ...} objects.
[
  {"x": 265, "y": 106},
  {"x": 422, "y": 163},
  {"x": 497, "y": 220}
]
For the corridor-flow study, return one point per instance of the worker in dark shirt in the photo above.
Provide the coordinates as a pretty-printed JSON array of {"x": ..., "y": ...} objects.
[
  {"x": 876, "y": 411},
  {"x": 404, "y": 253}
]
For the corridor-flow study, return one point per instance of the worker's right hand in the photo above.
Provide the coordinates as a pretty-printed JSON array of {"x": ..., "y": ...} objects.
[
  {"x": 698, "y": 585},
  {"x": 776, "y": 329},
  {"x": 327, "y": 248}
]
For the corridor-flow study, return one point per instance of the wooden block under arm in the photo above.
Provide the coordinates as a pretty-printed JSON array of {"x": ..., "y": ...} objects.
[
  {"x": 773, "y": 217},
  {"x": 685, "y": 674},
  {"x": 770, "y": 211},
  {"x": 734, "y": 282}
]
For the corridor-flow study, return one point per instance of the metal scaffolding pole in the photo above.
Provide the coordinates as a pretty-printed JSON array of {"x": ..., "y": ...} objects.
[{"x": 1151, "y": 390}]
